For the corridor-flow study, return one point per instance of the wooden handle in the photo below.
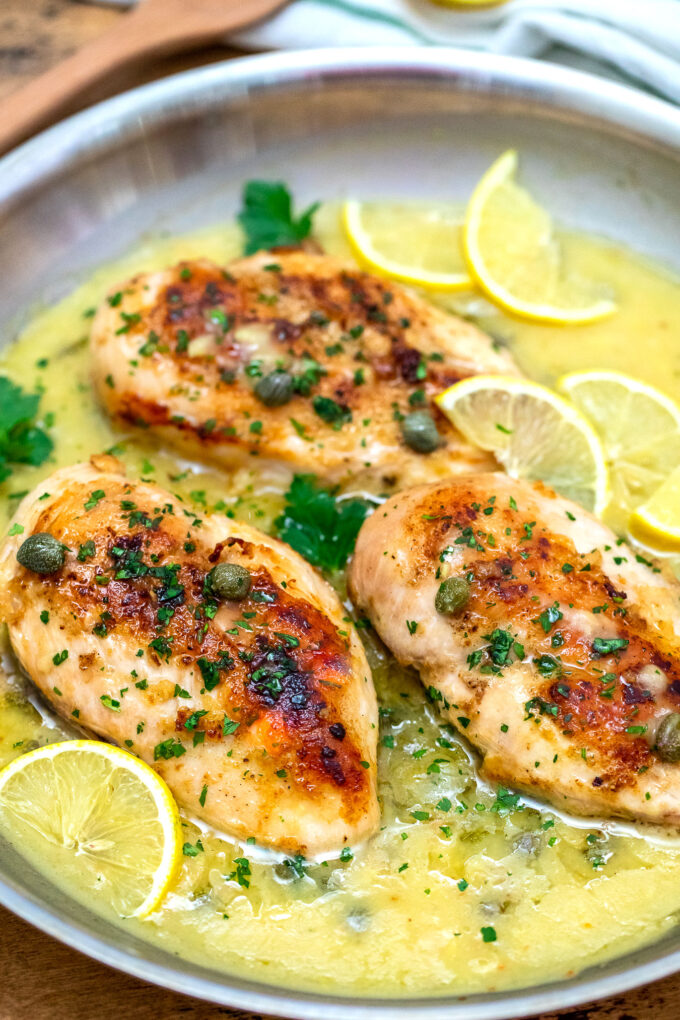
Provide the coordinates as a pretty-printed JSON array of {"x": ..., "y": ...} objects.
[{"x": 153, "y": 29}]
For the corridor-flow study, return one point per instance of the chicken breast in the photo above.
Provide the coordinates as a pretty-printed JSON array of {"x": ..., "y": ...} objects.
[
  {"x": 564, "y": 662},
  {"x": 260, "y": 714},
  {"x": 184, "y": 352}
]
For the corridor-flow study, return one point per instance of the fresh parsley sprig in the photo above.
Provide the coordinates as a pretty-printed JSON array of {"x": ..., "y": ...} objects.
[
  {"x": 267, "y": 217},
  {"x": 21, "y": 442},
  {"x": 320, "y": 527}
]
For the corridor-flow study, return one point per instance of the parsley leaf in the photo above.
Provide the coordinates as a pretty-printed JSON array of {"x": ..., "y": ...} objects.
[
  {"x": 319, "y": 527},
  {"x": 500, "y": 647},
  {"x": 168, "y": 749},
  {"x": 267, "y": 216},
  {"x": 331, "y": 411},
  {"x": 605, "y": 646},
  {"x": 550, "y": 616},
  {"x": 20, "y": 442},
  {"x": 505, "y": 801}
]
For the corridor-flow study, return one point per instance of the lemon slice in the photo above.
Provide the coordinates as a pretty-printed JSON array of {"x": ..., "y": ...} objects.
[
  {"x": 639, "y": 428},
  {"x": 657, "y": 522},
  {"x": 97, "y": 819},
  {"x": 412, "y": 242},
  {"x": 511, "y": 252},
  {"x": 532, "y": 432}
]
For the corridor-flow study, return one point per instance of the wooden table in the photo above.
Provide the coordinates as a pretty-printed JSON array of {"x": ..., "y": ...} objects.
[{"x": 39, "y": 978}]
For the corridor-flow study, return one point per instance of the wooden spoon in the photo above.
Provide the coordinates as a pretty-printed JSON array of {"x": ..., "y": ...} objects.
[{"x": 155, "y": 28}]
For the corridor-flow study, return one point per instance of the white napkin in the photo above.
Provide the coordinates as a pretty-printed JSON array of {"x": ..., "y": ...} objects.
[{"x": 637, "y": 40}]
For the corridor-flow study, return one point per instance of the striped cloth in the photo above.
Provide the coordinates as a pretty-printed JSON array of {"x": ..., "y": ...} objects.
[{"x": 632, "y": 40}]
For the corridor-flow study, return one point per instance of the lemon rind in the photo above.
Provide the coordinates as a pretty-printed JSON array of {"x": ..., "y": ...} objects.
[{"x": 656, "y": 535}]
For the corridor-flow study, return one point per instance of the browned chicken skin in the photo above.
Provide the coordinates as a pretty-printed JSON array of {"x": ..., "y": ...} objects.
[
  {"x": 564, "y": 661},
  {"x": 260, "y": 714},
  {"x": 181, "y": 351}
]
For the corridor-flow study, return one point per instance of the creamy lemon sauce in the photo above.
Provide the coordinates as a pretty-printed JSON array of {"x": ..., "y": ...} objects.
[{"x": 461, "y": 890}]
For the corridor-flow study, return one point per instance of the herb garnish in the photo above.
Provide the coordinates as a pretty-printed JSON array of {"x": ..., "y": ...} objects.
[
  {"x": 605, "y": 646},
  {"x": 20, "y": 441},
  {"x": 317, "y": 525},
  {"x": 267, "y": 217}
]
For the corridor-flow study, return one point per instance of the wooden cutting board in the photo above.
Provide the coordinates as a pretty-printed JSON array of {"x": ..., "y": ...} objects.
[{"x": 39, "y": 978}]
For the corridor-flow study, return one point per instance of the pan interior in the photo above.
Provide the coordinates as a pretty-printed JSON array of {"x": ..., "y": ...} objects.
[{"x": 178, "y": 163}]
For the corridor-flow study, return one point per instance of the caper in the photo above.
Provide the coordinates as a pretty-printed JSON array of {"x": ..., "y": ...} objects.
[
  {"x": 452, "y": 596},
  {"x": 420, "y": 432},
  {"x": 42, "y": 553},
  {"x": 667, "y": 744},
  {"x": 230, "y": 581},
  {"x": 275, "y": 389}
]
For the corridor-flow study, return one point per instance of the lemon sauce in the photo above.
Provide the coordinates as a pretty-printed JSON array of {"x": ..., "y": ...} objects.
[{"x": 465, "y": 888}]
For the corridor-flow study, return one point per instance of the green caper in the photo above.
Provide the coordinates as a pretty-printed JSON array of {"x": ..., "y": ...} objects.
[
  {"x": 230, "y": 581},
  {"x": 42, "y": 553},
  {"x": 667, "y": 744},
  {"x": 275, "y": 389},
  {"x": 420, "y": 432},
  {"x": 452, "y": 596}
]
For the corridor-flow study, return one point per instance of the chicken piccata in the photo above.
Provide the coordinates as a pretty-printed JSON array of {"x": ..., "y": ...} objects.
[
  {"x": 290, "y": 357},
  {"x": 209, "y": 649},
  {"x": 545, "y": 640}
]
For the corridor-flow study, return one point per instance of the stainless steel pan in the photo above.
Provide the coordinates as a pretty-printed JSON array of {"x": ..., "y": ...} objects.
[{"x": 375, "y": 122}]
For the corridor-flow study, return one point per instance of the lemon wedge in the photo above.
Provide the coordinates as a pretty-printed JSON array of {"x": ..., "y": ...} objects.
[
  {"x": 657, "y": 522},
  {"x": 533, "y": 432},
  {"x": 639, "y": 427},
  {"x": 512, "y": 254},
  {"x": 96, "y": 817},
  {"x": 414, "y": 243}
]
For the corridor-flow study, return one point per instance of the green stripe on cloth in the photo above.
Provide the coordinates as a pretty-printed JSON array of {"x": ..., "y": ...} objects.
[{"x": 370, "y": 14}]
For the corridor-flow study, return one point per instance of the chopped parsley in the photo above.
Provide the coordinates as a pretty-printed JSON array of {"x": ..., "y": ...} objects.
[
  {"x": 95, "y": 497},
  {"x": 331, "y": 411},
  {"x": 605, "y": 646},
  {"x": 192, "y": 721},
  {"x": 168, "y": 749},
  {"x": 162, "y": 646},
  {"x": 192, "y": 850},
  {"x": 86, "y": 551},
  {"x": 211, "y": 669},
  {"x": 505, "y": 801},
  {"x": 242, "y": 872},
  {"x": 549, "y": 617}
]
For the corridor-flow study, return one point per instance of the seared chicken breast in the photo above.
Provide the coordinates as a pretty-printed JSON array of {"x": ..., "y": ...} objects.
[
  {"x": 290, "y": 357},
  {"x": 556, "y": 652},
  {"x": 259, "y": 713}
]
